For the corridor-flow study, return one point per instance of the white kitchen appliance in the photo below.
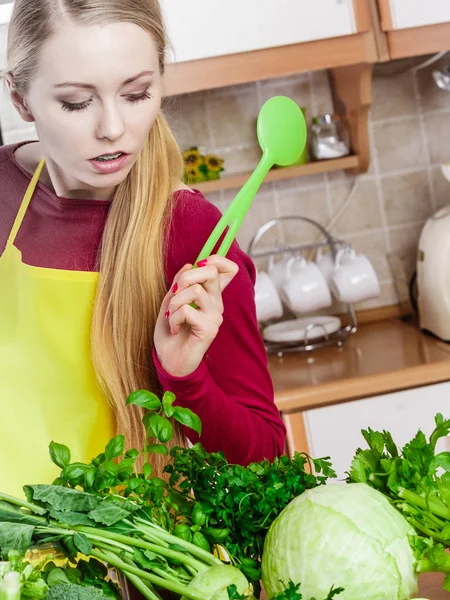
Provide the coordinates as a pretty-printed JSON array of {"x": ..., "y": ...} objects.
[{"x": 433, "y": 272}]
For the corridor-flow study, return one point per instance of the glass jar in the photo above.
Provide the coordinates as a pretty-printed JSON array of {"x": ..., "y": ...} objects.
[{"x": 329, "y": 137}]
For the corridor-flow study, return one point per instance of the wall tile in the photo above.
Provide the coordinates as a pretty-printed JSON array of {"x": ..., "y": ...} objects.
[
  {"x": 393, "y": 96},
  {"x": 262, "y": 210},
  {"x": 310, "y": 203},
  {"x": 239, "y": 159},
  {"x": 437, "y": 127},
  {"x": 233, "y": 117},
  {"x": 404, "y": 242},
  {"x": 323, "y": 100},
  {"x": 188, "y": 119},
  {"x": 430, "y": 96},
  {"x": 406, "y": 198},
  {"x": 399, "y": 145},
  {"x": 441, "y": 188},
  {"x": 362, "y": 213}
]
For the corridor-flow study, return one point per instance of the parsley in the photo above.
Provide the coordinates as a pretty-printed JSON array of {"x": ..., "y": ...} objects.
[
  {"x": 417, "y": 481},
  {"x": 290, "y": 593},
  {"x": 240, "y": 502}
]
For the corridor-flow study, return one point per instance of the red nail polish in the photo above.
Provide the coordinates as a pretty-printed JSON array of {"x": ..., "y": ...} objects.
[
  {"x": 167, "y": 314},
  {"x": 175, "y": 288},
  {"x": 202, "y": 263}
]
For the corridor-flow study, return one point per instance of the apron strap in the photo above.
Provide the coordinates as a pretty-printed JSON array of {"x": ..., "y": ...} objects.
[{"x": 25, "y": 202}]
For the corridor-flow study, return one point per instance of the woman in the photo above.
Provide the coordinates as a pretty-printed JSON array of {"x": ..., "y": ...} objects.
[{"x": 98, "y": 236}]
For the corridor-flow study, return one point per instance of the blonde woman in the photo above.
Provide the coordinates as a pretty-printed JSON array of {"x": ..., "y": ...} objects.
[{"x": 97, "y": 240}]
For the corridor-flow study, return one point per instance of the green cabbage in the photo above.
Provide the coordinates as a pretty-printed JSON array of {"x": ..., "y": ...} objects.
[{"x": 343, "y": 535}]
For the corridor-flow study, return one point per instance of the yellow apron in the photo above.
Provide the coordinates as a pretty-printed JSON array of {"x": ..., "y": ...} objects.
[{"x": 48, "y": 388}]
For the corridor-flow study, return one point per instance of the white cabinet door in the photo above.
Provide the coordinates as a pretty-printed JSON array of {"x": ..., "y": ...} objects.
[
  {"x": 336, "y": 430},
  {"x": 415, "y": 13},
  {"x": 207, "y": 28}
]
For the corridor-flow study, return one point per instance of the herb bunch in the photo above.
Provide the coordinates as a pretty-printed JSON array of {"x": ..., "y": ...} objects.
[
  {"x": 237, "y": 504},
  {"x": 290, "y": 593},
  {"x": 417, "y": 482}
]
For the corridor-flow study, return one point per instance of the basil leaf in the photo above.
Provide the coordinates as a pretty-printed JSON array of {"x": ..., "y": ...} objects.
[
  {"x": 167, "y": 401},
  {"x": 59, "y": 454},
  {"x": 144, "y": 399},
  {"x": 161, "y": 427},
  {"x": 158, "y": 449},
  {"x": 115, "y": 447},
  {"x": 186, "y": 417}
]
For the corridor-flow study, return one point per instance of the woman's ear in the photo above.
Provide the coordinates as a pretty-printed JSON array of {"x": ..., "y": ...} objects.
[{"x": 18, "y": 100}]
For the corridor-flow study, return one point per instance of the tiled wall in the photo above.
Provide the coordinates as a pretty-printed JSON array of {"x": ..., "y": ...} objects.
[
  {"x": 409, "y": 131},
  {"x": 410, "y": 137}
]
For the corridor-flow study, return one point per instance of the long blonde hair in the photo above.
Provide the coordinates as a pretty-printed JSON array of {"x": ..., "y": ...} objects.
[{"x": 132, "y": 283}]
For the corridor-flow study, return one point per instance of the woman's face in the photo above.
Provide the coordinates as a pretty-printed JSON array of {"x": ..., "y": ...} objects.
[{"x": 94, "y": 99}]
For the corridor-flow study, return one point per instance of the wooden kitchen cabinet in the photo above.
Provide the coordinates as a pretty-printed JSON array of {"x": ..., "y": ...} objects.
[
  {"x": 404, "y": 14},
  {"x": 215, "y": 28},
  {"x": 415, "y": 27},
  {"x": 336, "y": 430},
  {"x": 219, "y": 44}
]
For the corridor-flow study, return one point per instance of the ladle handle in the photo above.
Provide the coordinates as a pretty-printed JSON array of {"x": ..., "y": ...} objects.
[{"x": 236, "y": 212}]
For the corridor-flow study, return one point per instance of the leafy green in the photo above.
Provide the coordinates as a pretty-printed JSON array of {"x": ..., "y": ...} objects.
[
  {"x": 417, "y": 481},
  {"x": 20, "y": 580},
  {"x": 290, "y": 593},
  {"x": 240, "y": 503}
]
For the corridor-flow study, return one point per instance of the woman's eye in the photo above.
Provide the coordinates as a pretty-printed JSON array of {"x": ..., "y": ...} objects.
[
  {"x": 137, "y": 98},
  {"x": 76, "y": 106}
]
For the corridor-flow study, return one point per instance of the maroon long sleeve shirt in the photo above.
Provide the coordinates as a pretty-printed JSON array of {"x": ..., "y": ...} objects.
[{"x": 231, "y": 390}]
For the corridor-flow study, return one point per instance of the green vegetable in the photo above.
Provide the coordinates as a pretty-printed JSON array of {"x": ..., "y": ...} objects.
[
  {"x": 71, "y": 591},
  {"x": 417, "y": 482},
  {"x": 213, "y": 584},
  {"x": 238, "y": 504},
  {"x": 348, "y": 534},
  {"x": 19, "y": 580},
  {"x": 10, "y": 586},
  {"x": 290, "y": 593}
]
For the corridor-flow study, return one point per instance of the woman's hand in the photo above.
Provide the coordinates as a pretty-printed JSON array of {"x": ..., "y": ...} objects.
[{"x": 183, "y": 334}]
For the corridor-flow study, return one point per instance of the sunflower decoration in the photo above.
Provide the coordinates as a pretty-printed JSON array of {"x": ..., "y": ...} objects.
[{"x": 199, "y": 167}]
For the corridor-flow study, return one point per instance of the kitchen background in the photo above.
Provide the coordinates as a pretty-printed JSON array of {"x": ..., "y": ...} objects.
[{"x": 409, "y": 124}]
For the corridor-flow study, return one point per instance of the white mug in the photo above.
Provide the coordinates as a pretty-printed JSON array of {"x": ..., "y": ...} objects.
[
  {"x": 325, "y": 262},
  {"x": 267, "y": 299},
  {"x": 305, "y": 289},
  {"x": 354, "y": 279},
  {"x": 278, "y": 272}
]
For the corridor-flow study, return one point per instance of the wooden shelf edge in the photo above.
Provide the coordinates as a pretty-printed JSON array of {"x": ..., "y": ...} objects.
[
  {"x": 418, "y": 40},
  {"x": 312, "y": 168},
  {"x": 257, "y": 65}
]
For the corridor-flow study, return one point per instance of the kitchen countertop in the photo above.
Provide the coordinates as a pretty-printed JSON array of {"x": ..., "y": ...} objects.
[{"x": 381, "y": 357}]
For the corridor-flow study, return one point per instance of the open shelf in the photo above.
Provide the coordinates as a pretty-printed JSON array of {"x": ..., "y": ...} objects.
[{"x": 312, "y": 168}]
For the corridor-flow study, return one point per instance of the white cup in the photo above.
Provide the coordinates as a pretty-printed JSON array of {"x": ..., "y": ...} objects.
[
  {"x": 267, "y": 299},
  {"x": 278, "y": 272},
  {"x": 306, "y": 289},
  {"x": 354, "y": 278},
  {"x": 325, "y": 262}
]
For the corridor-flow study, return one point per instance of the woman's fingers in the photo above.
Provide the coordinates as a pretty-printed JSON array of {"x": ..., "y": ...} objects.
[
  {"x": 197, "y": 294},
  {"x": 202, "y": 325}
]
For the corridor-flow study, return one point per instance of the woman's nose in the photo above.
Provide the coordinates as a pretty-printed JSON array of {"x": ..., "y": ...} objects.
[{"x": 111, "y": 124}]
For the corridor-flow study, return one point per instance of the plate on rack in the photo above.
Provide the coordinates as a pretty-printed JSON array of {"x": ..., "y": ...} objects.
[{"x": 296, "y": 330}]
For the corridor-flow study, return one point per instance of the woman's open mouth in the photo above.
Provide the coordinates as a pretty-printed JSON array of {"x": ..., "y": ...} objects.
[{"x": 109, "y": 163}]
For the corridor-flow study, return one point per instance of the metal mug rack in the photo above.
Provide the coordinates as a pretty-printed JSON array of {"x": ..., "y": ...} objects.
[{"x": 337, "y": 338}]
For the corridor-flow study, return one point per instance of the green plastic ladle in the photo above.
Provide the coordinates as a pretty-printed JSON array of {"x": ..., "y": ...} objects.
[{"x": 281, "y": 130}]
